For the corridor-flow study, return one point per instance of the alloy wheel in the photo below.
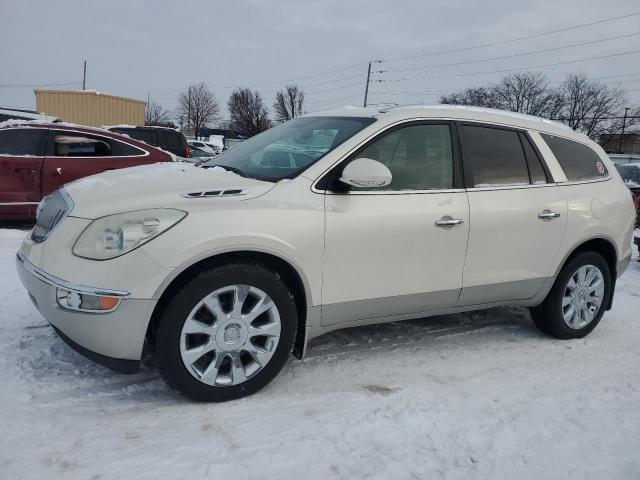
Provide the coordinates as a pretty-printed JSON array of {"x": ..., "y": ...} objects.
[
  {"x": 230, "y": 335},
  {"x": 583, "y": 296}
]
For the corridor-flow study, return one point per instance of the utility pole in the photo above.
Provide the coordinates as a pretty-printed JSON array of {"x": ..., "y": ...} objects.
[
  {"x": 366, "y": 88},
  {"x": 624, "y": 124},
  {"x": 84, "y": 76}
]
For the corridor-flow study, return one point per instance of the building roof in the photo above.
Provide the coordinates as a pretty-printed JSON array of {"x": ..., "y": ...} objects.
[{"x": 86, "y": 92}]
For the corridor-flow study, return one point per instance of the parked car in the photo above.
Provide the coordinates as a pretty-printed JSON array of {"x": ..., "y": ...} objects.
[
  {"x": 37, "y": 159},
  {"x": 630, "y": 173},
  {"x": 624, "y": 158},
  {"x": 8, "y": 114},
  {"x": 197, "y": 155},
  {"x": 412, "y": 211},
  {"x": 207, "y": 147},
  {"x": 168, "y": 139}
]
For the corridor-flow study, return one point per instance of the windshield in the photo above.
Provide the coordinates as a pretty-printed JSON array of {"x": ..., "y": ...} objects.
[
  {"x": 630, "y": 173},
  {"x": 286, "y": 150}
]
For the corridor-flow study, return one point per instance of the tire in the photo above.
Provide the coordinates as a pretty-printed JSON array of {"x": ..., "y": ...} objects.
[
  {"x": 549, "y": 316},
  {"x": 212, "y": 377}
]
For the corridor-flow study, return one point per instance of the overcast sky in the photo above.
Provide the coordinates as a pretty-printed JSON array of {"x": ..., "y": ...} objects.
[{"x": 134, "y": 48}]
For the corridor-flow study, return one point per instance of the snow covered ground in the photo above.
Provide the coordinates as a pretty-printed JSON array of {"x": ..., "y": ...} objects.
[{"x": 479, "y": 395}]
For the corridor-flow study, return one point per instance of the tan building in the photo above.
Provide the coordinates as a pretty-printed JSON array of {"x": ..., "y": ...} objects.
[{"x": 90, "y": 107}]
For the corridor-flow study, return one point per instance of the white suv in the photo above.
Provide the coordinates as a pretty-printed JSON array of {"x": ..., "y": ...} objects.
[{"x": 385, "y": 215}]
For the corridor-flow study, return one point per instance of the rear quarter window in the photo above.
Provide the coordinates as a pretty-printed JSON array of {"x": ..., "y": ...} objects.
[
  {"x": 127, "y": 150},
  {"x": 578, "y": 161}
]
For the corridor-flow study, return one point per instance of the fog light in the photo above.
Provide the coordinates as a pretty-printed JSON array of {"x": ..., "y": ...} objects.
[{"x": 84, "y": 302}]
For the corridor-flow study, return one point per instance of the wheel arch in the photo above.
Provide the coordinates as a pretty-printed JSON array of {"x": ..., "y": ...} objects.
[
  {"x": 295, "y": 281},
  {"x": 603, "y": 246}
]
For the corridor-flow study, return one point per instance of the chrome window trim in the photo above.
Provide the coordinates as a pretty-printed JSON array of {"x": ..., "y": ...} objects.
[
  {"x": 510, "y": 187},
  {"x": 581, "y": 182},
  {"x": 146, "y": 152},
  {"x": 394, "y": 192},
  {"x": 18, "y": 203},
  {"x": 58, "y": 282}
]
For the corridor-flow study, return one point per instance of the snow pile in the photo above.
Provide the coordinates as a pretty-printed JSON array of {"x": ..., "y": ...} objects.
[{"x": 478, "y": 395}]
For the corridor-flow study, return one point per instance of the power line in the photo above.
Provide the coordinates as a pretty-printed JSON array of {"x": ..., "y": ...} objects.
[
  {"x": 514, "y": 55},
  {"x": 335, "y": 88},
  {"x": 29, "y": 85},
  {"x": 333, "y": 100},
  {"x": 319, "y": 83},
  {"x": 510, "y": 69},
  {"x": 517, "y": 39},
  {"x": 306, "y": 76}
]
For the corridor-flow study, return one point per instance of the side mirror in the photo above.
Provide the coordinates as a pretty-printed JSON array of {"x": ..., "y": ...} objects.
[{"x": 366, "y": 173}]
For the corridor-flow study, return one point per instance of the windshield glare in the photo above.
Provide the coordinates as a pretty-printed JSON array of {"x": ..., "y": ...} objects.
[{"x": 286, "y": 150}]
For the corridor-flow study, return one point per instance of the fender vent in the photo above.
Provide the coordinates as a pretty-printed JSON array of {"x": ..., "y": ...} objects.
[{"x": 214, "y": 193}]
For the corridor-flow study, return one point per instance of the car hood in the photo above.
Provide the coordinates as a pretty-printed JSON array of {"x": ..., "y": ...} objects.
[{"x": 176, "y": 185}]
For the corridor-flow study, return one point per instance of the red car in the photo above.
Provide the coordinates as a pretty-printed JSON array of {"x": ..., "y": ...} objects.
[{"x": 36, "y": 159}]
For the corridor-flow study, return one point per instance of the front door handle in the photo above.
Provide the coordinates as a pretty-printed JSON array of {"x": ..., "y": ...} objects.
[
  {"x": 448, "y": 222},
  {"x": 548, "y": 215},
  {"x": 24, "y": 170}
]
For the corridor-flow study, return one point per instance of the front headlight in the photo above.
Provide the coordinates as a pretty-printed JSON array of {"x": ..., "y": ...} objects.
[{"x": 114, "y": 235}]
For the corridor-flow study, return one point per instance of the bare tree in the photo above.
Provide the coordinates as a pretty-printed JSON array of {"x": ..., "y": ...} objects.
[
  {"x": 155, "y": 114},
  {"x": 479, "y": 97},
  {"x": 197, "y": 107},
  {"x": 585, "y": 105},
  {"x": 247, "y": 112},
  {"x": 527, "y": 92},
  {"x": 288, "y": 103},
  {"x": 589, "y": 105}
]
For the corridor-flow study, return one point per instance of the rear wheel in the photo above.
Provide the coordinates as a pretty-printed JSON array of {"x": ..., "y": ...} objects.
[
  {"x": 227, "y": 333},
  {"x": 578, "y": 298}
]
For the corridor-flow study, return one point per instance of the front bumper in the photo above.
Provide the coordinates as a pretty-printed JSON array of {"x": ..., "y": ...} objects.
[{"x": 113, "y": 339}]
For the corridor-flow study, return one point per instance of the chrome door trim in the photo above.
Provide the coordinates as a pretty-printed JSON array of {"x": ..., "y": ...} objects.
[
  {"x": 18, "y": 203},
  {"x": 548, "y": 215},
  {"x": 448, "y": 222}
]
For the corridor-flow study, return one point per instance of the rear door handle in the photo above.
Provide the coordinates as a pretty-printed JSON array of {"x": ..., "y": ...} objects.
[
  {"x": 24, "y": 170},
  {"x": 548, "y": 215},
  {"x": 448, "y": 222}
]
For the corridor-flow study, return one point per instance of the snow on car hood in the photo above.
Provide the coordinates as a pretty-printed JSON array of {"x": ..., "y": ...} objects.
[{"x": 159, "y": 185}]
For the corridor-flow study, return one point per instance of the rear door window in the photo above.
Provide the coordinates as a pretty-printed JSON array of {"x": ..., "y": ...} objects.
[
  {"x": 78, "y": 144},
  {"x": 22, "y": 141},
  {"x": 493, "y": 157},
  {"x": 578, "y": 161}
]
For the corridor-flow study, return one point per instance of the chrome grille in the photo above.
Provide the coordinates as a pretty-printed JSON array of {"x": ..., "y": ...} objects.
[{"x": 51, "y": 211}]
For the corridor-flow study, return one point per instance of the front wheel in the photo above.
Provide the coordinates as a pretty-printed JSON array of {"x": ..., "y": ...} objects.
[
  {"x": 226, "y": 333},
  {"x": 578, "y": 298}
]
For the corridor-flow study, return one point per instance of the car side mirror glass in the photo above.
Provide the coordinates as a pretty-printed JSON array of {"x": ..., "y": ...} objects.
[{"x": 366, "y": 173}]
